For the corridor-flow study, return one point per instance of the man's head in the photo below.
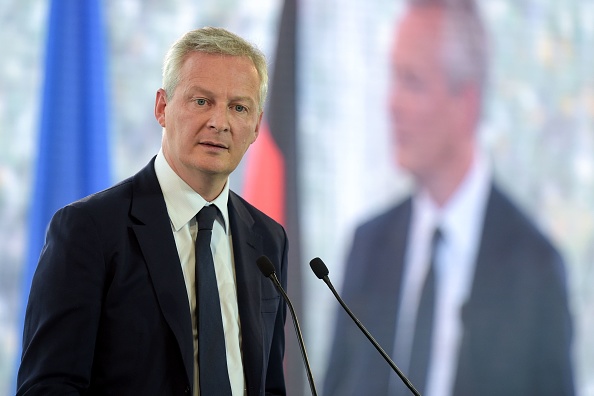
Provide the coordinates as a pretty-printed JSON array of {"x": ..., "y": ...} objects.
[
  {"x": 212, "y": 40},
  {"x": 439, "y": 73},
  {"x": 210, "y": 106}
]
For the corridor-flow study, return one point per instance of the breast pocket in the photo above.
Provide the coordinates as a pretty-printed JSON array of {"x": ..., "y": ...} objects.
[{"x": 269, "y": 304}]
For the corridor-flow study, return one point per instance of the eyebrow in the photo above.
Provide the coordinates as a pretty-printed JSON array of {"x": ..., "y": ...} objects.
[{"x": 192, "y": 90}]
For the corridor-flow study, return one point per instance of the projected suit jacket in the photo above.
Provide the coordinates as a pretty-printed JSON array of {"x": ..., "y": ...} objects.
[
  {"x": 516, "y": 324},
  {"x": 108, "y": 311}
]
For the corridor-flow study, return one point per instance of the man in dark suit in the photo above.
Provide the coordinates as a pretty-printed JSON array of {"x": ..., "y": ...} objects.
[
  {"x": 500, "y": 318},
  {"x": 112, "y": 308}
]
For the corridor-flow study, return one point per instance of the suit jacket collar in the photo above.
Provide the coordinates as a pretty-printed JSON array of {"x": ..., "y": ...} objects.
[
  {"x": 247, "y": 243},
  {"x": 488, "y": 263},
  {"x": 151, "y": 225},
  {"x": 149, "y": 213},
  {"x": 483, "y": 307}
]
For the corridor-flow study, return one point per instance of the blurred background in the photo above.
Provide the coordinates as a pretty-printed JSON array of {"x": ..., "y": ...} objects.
[{"x": 538, "y": 129}]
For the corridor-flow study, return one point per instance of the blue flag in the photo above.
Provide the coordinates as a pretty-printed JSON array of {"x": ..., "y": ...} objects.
[{"x": 73, "y": 159}]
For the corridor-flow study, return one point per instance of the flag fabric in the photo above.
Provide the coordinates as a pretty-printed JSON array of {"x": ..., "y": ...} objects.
[
  {"x": 271, "y": 174},
  {"x": 72, "y": 158},
  {"x": 265, "y": 176}
]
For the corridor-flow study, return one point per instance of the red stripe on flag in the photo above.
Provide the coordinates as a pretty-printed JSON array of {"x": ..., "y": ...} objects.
[{"x": 265, "y": 176}]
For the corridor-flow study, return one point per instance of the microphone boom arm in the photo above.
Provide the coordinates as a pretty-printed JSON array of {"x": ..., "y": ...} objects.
[
  {"x": 321, "y": 271},
  {"x": 268, "y": 271},
  {"x": 274, "y": 279}
]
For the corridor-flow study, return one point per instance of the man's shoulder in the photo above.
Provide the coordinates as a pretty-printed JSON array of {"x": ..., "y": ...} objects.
[
  {"x": 118, "y": 197},
  {"x": 505, "y": 212},
  {"x": 114, "y": 195},
  {"x": 248, "y": 211},
  {"x": 398, "y": 213},
  {"x": 505, "y": 217}
]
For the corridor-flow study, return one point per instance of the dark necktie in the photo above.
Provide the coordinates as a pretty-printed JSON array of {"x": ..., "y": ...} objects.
[
  {"x": 421, "y": 348},
  {"x": 212, "y": 357}
]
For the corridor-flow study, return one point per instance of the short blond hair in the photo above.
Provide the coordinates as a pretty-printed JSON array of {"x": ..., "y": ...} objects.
[
  {"x": 466, "y": 47},
  {"x": 212, "y": 40}
]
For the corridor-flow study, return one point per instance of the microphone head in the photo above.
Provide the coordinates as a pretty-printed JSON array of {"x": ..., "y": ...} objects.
[
  {"x": 319, "y": 268},
  {"x": 265, "y": 265}
]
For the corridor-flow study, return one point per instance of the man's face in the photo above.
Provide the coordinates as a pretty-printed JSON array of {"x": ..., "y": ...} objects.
[
  {"x": 424, "y": 108},
  {"x": 211, "y": 118}
]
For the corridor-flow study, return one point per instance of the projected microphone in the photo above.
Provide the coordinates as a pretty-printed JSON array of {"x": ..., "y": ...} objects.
[
  {"x": 267, "y": 269},
  {"x": 321, "y": 271}
]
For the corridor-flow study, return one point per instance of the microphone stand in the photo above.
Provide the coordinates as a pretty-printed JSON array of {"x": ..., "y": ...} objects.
[
  {"x": 268, "y": 271},
  {"x": 321, "y": 272}
]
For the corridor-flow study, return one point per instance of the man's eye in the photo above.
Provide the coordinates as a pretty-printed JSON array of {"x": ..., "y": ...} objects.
[
  {"x": 239, "y": 108},
  {"x": 200, "y": 102}
]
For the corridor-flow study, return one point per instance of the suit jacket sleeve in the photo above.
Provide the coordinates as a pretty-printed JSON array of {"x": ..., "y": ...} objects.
[
  {"x": 262, "y": 311},
  {"x": 64, "y": 307},
  {"x": 277, "y": 252},
  {"x": 275, "y": 380}
]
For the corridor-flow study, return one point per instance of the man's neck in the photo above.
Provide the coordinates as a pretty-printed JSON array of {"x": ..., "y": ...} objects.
[{"x": 444, "y": 183}]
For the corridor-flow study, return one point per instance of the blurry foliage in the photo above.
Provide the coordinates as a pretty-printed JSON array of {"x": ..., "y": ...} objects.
[{"x": 538, "y": 127}]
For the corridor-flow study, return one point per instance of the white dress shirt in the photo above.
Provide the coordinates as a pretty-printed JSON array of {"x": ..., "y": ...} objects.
[
  {"x": 183, "y": 203},
  {"x": 460, "y": 221}
]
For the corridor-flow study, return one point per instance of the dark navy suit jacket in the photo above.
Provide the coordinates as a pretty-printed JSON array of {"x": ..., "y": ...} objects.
[
  {"x": 517, "y": 328},
  {"x": 108, "y": 312}
]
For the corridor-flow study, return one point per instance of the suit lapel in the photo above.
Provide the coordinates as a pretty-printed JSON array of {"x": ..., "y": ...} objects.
[
  {"x": 477, "y": 313},
  {"x": 246, "y": 247},
  {"x": 389, "y": 280},
  {"x": 153, "y": 231},
  {"x": 377, "y": 302},
  {"x": 389, "y": 259}
]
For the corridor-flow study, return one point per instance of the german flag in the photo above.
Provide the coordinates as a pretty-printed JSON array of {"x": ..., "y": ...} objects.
[{"x": 271, "y": 173}]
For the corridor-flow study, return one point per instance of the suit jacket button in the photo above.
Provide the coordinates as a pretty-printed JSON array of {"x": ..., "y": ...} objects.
[{"x": 187, "y": 390}]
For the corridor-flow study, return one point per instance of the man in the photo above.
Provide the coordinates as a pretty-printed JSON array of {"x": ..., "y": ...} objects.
[
  {"x": 112, "y": 308},
  {"x": 501, "y": 322}
]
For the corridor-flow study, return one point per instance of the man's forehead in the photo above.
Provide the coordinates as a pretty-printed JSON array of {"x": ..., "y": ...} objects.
[
  {"x": 419, "y": 28},
  {"x": 421, "y": 18}
]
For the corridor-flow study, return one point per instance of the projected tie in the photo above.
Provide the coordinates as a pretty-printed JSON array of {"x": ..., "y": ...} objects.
[
  {"x": 421, "y": 348},
  {"x": 212, "y": 358}
]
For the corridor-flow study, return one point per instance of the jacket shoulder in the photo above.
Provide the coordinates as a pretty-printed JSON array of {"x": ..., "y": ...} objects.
[{"x": 399, "y": 214}]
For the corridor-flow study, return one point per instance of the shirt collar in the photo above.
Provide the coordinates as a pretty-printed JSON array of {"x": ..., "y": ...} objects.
[{"x": 183, "y": 203}]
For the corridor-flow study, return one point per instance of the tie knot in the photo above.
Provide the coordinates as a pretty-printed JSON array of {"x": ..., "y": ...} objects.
[{"x": 206, "y": 217}]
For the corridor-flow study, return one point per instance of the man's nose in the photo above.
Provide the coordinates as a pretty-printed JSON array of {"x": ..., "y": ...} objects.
[{"x": 219, "y": 118}]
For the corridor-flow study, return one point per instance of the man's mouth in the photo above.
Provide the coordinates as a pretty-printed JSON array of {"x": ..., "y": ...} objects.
[{"x": 214, "y": 144}]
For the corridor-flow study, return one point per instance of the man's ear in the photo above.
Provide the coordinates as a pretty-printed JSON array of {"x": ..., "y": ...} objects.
[
  {"x": 258, "y": 125},
  {"x": 160, "y": 104}
]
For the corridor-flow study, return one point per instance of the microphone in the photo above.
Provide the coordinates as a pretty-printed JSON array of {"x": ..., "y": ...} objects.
[
  {"x": 267, "y": 269},
  {"x": 321, "y": 271}
]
